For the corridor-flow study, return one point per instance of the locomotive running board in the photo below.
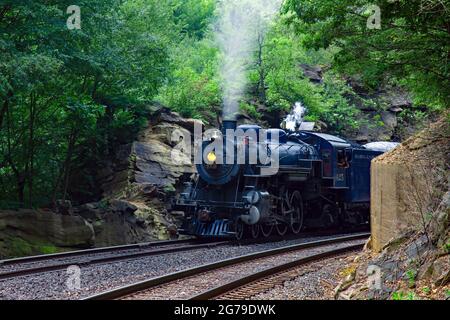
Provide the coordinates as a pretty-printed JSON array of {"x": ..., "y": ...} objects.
[{"x": 257, "y": 176}]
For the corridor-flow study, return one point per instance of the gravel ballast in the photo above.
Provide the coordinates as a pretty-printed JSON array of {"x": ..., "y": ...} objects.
[
  {"x": 316, "y": 281},
  {"x": 189, "y": 287},
  {"x": 98, "y": 278}
]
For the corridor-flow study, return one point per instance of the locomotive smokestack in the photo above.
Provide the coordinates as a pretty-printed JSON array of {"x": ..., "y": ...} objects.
[{"x": 228, "y": 125}]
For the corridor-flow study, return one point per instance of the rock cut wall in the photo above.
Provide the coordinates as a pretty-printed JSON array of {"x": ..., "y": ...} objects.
[
  {"x": 146, "y": 175},
  {"x": 408, "y": 182},
  {"x": 137, "y": 183}
]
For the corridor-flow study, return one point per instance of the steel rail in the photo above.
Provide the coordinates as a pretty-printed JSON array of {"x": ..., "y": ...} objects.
[
  {"x": 69, "y": 254},
  {"x": 229, "y": 287},
  {"x": 107, "y": 259},
  {"x": 157, "y": 281}
]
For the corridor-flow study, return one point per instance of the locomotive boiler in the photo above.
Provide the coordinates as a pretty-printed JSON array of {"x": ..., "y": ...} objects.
[{"x": 254, "y": 181}]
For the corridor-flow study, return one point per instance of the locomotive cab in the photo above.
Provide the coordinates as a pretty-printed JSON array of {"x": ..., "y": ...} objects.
[{"x": 334, "y": 155}]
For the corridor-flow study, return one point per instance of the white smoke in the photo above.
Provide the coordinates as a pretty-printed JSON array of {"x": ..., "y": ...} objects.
[
  {"x": 295, "y": 119},
  {"x": 240, "y": 24}
]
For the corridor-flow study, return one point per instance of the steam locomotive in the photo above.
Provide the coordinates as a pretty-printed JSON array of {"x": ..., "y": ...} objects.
[{"x": 299, "y": 180}]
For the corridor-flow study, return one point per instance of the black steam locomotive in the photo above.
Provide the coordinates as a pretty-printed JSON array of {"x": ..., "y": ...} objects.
[{"x": 299, "y": 180}]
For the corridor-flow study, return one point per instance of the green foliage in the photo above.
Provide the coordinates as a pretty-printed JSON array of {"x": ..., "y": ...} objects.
[
  {"x": 426, "y": 290},
  {"x": 399, "y": 295},
  {"x": 411, "y": 45},
  {"x": 378, "y": 121},
  {"x": 48, "y": 249},
  {"x": 193, "y": 89},
  {"x": 169, "y": 189},
  {"x": 447, "y": 247},
  {"x": 194, "y": 16},
  {"x": 66, "y": 96},
  {"x": 19, "y": 247},
  {"x": 250, "y": 110},
  {"x": 411, "y": 275},
  {"x": 285, "y": 83}
]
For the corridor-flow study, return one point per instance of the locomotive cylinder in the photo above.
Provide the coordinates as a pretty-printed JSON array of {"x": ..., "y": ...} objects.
[{"x": 260, "y": 209}]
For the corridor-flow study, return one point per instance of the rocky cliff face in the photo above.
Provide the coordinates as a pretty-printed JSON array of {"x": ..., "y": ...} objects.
[
  {"x": 381, "y": 114},
  {"x": 147, "y": 172},
  {"x": 137, "y": 184}
]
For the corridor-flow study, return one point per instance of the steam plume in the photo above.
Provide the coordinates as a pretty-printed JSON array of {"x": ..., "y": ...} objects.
[{"x": 240, "y": 24}]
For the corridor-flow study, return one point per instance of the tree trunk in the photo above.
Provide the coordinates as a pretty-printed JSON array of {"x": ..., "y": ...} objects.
[
  {"x": 95, "y": 87},
  {"x": 21, "y": 188},
  {"x": 67, "y": 165},
  {"x": 64, "y": 174},
  {"x": 3, "y": 112},
  {"x": 4, "y": 108},
  {"x": 20, "y": 178},
  {"x": 30, "y": 165},
  {"x": 261, "y": 89}
]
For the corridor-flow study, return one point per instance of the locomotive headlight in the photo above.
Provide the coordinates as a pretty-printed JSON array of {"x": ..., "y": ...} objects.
[{"x": 211, "y": 157}]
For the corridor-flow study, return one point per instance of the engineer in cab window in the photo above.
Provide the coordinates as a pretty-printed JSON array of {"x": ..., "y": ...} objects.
[{"x": 342, "y": 160}]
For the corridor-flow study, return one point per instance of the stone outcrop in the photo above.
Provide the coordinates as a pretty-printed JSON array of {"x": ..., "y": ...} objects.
[
  {"x": 151, "y": 163},
  {"x": 106, "y": 223},
  {"x": 137, "y": 184},
  {"x": 380, "y": 114},
  {"x": 27, "y": 232},
  {"x": 376, "y": 126},
  {"x": 115, "y": 222},
  {"x": 313, "y": 73},
  {"x": 147, "y": 172}
]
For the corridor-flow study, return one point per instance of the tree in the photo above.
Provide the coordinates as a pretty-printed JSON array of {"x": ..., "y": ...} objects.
[
  {"x": 411, "y": 46},
  {"x": 280, "y": 82},
  {"x": 63, "y": 91},
  {"x": 193, "y": 88},
  {"x": 194, "y": 16}
]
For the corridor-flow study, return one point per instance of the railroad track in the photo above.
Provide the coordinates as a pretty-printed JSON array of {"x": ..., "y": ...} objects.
[
  {"x": 249, "y": 286},
  {"x": 218, "y": 279},
  {"x": 13, "y": 268}
]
